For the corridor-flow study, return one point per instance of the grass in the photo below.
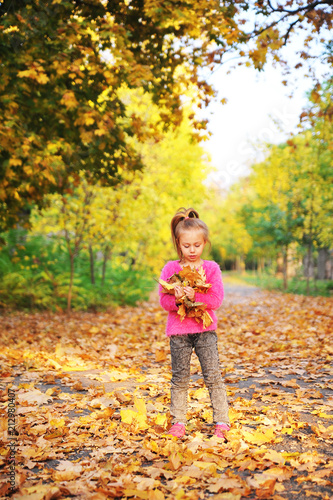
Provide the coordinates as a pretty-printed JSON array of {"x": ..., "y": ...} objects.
[{"x": 268, "y": 281}]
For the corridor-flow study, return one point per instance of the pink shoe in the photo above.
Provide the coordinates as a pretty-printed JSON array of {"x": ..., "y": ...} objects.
[
  {"x": 177, "y": 430},
  {"x": 220, "y": 430}
]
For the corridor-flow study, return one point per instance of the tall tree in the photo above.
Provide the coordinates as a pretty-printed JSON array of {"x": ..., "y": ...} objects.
[
  {"x": 129, "y": 223},
  {"x": 63, "y": 63}
]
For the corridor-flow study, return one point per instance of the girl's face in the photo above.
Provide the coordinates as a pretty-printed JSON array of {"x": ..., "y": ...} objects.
[{"x": 192, "y": 244}]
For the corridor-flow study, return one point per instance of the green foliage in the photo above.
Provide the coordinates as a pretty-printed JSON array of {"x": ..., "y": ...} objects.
[
  {"x": 39, "y": 283},
  {"x": 297, "y": 284}
]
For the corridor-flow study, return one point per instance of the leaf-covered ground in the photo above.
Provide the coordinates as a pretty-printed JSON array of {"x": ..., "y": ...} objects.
[{"x": 92, "y": 397}]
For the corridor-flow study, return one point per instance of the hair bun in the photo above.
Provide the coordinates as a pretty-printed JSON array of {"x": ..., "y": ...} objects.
[{"x": 192, "y": 214}]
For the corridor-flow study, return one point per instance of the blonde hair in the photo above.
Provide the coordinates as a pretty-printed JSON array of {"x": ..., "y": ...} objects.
[{"x": 185, "y": 220}]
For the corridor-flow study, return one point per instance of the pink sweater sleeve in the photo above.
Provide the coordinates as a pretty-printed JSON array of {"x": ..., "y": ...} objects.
[
  {"x": 167, "y": 301},
  {"x": 214, "y": 297}
]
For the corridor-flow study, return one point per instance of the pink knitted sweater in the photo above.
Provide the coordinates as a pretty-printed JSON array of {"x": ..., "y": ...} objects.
[{"x": 213, "y": 298}]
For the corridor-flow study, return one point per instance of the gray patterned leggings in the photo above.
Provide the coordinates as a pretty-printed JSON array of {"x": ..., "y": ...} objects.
[{"x": 205, "y": 346}]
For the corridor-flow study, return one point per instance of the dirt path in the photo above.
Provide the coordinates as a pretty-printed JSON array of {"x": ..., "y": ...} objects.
[
  {"x": 235, "y": 290},
  {"x": 234, "y": 294},
  {"x": 74, "y": 379}
]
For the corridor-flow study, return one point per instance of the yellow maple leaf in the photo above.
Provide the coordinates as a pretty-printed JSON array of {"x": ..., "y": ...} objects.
[
  {"x": 100, "y": 131},
  {"x": 29, "y": 73},
  {"x": 225, "y": 483},
  {"x": 200, "y": 393},
  {"x": 161, "y": 420},
  {"x": 140, "y": 405},
  {"x": 207, "y": 320},
  {"x": 155, "y": 495},
  {"x": 136, "y": 493},
  {"x": 127, "y": 416},
  {"x": 13, "y": 162},
  {"x": 34, "y": 396},
  {"x": 57, "y": 422},
  {"x": 182, "y": 312},
  {"x": 42, "y": 78},
  {"x": 174, "y": 461},
  {"x": 153, "y": 446},
  {"x": 65, "y": 475},
  {"x": 168, "y": 287},
  {"x": 160, "y": 356},
  {"x": 69, "y": 99},
  {"x": 40, "y": 491},
  {"x": 259, "y": 437},
  {"x": 274, "y": 456},
  {"x": 88, "y": 119},
  {"x": 139, "y": 418}
]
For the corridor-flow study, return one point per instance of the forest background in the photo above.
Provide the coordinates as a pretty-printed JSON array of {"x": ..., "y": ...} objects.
[{"x": 101, "y": 141}]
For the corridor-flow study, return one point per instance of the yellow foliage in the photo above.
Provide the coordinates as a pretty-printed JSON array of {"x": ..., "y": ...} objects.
[{"x": 133, "y": 217}]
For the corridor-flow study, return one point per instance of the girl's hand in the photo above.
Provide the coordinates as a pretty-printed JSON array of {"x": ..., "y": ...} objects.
[
  {"x": 189, "y": 292},
  {"x": 179, "y": 292}
]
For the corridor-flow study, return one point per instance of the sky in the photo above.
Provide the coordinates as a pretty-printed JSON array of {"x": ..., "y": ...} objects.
[{"x": 256, "y": 101}]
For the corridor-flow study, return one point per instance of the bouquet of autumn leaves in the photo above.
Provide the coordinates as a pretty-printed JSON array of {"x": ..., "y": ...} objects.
[{"x": 197, "y": 280}]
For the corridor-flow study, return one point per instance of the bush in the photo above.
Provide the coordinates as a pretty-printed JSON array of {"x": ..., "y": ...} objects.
[{"x": 35, "y": 274}]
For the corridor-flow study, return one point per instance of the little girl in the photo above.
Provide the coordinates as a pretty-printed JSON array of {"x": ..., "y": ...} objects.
[{"x": 190, "y": 235}]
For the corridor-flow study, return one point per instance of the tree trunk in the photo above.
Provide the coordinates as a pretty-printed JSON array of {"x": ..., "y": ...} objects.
[
  {"x": 309, "y": 258},
  {"x": 106, "y": 257},
  {"x": 308, "y": 265},
  {"x": 261, "y": 265},
  {"x": 323, "y": 257},
  {"x": 239, "y": 264},
  {"x": 310, "y": 249},
  {"x": 285, "y": 267},
  {"x": 92, "y": 267},
  {"x": 242, "y": 264}
]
